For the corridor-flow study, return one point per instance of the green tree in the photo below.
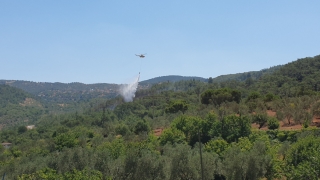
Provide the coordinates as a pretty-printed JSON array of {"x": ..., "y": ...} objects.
[
  {"x": 67, "y": 140},
  {"x": 172, "y": 136},
  {"x": 249, "y": 165},
  {"x": 104, "y": 117},
  {"x": 181, "y": 166},
  {"x": 270, "y": 97},
  {"x": 219, "y": 96},
  {"x": 289, "y": 111},
  {"x": 141, "y": 127},
  {"x": 244, "y": 144},
  {"x": 280, "y": 115},
  {"x": 301, "y": 116},
  {"x": 231, "y": 128},
  {"x": 218, "y": 146},
  {"x": 249, "y": 81},
  {"x": 115, "y": 149},
  {"x": 191, "y": 127},
  {"x": 273, "y": 123},
  {"x": 260, "y": 119},
  {"x": 254, "y": 102},
  {"x": 129, "y": 109},
  {"x": 303, "y": 159},
  {"x": 150, "y": 166},
  {"x": 253, "y": 96},
  {"x": 176, "y": 106},
  {"x": 316, "y": 109},
  {"x": 22, "y": 129},
  {"x": 122, "y": 129}
]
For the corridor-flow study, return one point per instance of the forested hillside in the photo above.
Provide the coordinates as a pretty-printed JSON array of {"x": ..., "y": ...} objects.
[
  {"x": 296, "y": 78},
  {"x": 65, "y": 92},
  {"x": 246, "y": 75},
  {"x": 17, "y": 106},
  {"x": 171, "y": 79},
  {"x": 188, "y": 129}
]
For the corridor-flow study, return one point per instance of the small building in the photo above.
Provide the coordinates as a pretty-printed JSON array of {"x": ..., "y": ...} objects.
[
  {"x": 30, "y": 127},
  {"x": 6, "y": 145}
]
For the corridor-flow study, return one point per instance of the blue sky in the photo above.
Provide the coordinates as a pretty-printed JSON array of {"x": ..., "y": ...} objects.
[{"x": 96, "y": 41}]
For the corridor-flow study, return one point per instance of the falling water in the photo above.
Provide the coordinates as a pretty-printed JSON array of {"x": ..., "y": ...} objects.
[{"x": 128, "y": 91}]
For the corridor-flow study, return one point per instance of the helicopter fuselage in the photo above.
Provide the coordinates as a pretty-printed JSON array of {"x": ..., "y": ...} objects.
[{"x": 141, "y": 55}]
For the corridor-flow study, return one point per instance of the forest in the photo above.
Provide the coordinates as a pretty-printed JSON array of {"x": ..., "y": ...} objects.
[{"x": 242, "y": 127}]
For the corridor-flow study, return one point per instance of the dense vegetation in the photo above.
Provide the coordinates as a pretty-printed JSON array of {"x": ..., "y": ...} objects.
[
  {"x": 301, "y": 77},
  {"x": 116, "y": 140},
  {"x": 65, "y": 93},
  {"x": 17, "y": 106},
  {"x": 171, "y": 78},
  {"x": 246, "y": 75}
]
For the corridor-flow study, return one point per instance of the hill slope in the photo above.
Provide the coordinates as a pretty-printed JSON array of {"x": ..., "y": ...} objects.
[
  {"x": 171, "y": 78},
  {"x": 296, "y": 78},
  {"x": 245, "y": 75},
  {"x": 65, "y": 92},
  {"x": 17, "y": 106}
]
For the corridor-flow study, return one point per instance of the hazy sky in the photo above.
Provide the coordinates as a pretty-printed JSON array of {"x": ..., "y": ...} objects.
[{"x": 96, "y": 41}]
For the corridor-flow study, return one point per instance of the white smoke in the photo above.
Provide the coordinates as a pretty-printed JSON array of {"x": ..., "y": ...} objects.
[{"x": 128, "y": 91}]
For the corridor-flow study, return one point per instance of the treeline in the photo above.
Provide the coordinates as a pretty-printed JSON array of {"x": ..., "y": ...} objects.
[
  {"x": 246, "y": 75},
  {"x": 301, "y": 77},
  {"x": 112, "y": 139},
  {"x": 12, "y": 95},
  {"x": 38, "y": 87},
  {"x": 79, "y": 146},
  {"x": 17, "y": 106},
  {"x": 53, "y": 93}
]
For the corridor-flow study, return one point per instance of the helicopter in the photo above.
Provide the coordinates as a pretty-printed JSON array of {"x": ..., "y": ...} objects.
[{"x": 141, "y": 55}]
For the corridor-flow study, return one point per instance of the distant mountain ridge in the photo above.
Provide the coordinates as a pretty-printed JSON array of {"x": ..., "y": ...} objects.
[
  {"x": 17, "y": 106},
  {"x": 228, "y": 77},
  {"x": 245, "y": 75},
  {"x": 297, "y": 78},
  {"x": 65, "y": 92},
  {"x": 38, "y": 87},
  {"x": 26, "y": 101},
  {"x": 71, "y": 92},
  {"x": 171, "y": 78}
]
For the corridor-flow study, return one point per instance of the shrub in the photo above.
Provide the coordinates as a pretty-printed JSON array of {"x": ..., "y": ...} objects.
[{"x": 273, "y": 123}]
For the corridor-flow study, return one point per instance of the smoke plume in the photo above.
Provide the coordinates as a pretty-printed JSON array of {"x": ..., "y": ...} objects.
[{"x": 128, "y": 91}]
